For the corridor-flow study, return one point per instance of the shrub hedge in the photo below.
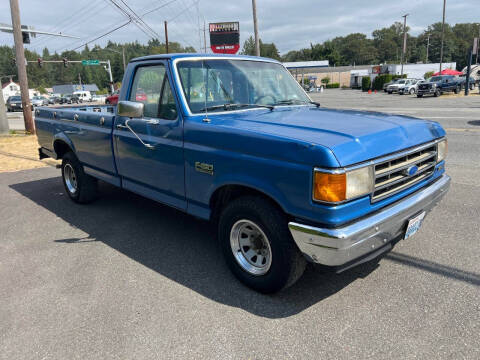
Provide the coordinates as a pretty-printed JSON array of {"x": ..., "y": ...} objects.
[
  {"x": 333, "y": 86},
  {"x": 382, "y": 79},
  {"x": 366, "y": 82}
]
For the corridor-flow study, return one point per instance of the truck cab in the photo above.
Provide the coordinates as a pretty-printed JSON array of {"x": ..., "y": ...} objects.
[{"x": 235, "y": 140}]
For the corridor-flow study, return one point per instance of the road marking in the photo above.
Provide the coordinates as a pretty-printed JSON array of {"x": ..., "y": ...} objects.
[{"x": 462, "y": 130}]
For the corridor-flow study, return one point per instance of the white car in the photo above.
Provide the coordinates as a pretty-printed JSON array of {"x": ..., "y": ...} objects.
[
  {"x": 410, "y": 87},
  {"x": 99, "y": 98},
  {"x": 399, "y": 84},
  {"x": 85, "y": 96}
]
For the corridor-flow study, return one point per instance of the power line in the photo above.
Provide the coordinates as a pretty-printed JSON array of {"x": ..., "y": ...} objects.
[{"x": 101, "y": 36}]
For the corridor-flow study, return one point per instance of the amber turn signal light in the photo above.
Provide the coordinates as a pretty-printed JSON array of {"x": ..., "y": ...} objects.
[{"x": 329, "y": 187}]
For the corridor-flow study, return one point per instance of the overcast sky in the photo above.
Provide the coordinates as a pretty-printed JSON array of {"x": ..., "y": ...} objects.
[{"x": 291, "y": 24}]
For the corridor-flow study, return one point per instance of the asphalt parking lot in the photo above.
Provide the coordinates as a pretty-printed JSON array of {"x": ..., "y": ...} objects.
[{"x": 127, "y": 278}]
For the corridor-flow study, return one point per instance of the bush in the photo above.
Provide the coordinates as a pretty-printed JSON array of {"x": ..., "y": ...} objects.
[
  {"x": 428, "y": 74},
  {"x": 325, "y": 80},
  {"x": 382, "y": 79},
  {"x": 333, "y": 86},
  {"x": 366, "y": 82}
]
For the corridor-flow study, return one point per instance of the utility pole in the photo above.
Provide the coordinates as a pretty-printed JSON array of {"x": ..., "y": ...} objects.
[
  {"x": 443, "y": 35},
  {"x": 166, "y": 37},
  {"x": 255, "y": 28},
  {"x": 80, "y": 79},
  {"x": 204, "y": 38},
  {"x": 404, "y": 40},
  {"x": 428, "y": 45},
  {"x": 22, "y": 70},
  {"x": 467, "y": 79}
]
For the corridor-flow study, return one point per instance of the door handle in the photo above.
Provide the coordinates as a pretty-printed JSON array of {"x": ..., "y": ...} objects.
[{"x": 121, "y": 126}]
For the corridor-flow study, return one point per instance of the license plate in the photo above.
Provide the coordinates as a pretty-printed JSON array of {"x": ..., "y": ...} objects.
[{"x": 414, "y": 224}]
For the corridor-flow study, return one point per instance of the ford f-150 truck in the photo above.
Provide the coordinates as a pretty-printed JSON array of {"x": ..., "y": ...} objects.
[
  {"x": 437, "y": 85},
  {"x": 236, "y": 140}
]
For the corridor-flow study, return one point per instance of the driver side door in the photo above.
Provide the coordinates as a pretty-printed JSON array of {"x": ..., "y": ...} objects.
[{"x": 149, "y": 150}]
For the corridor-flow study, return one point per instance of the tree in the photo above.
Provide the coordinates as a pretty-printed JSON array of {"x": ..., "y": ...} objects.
[
  {"x": 325, "y": 80},
  {"x": 268, "y": 50}
]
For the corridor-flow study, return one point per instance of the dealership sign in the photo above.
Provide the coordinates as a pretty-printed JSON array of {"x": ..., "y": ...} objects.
[{"x": 225, "y": 37}]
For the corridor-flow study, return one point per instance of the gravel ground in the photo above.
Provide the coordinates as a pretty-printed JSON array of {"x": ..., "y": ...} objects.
[{"x": 128, "y": 278}]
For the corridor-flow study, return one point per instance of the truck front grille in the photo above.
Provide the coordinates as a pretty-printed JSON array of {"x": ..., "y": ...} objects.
[{"x": 397, "y": 174}]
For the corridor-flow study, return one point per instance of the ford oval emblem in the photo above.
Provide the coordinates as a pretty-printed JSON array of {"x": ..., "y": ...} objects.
[{"x": 412, "y": 170}]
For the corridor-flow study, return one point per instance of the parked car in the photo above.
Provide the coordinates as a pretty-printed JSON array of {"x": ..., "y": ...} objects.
[
  {"x": 14, "y": 103},
  {"x": 112, "y": 99},
  {"x": 389, "y": 83},
  {"x": 284, "y": 181},
  {"x": 410, "y": 87},
  {"x": 85, "y": 96},
  {"x": 71, "y": 99},
  {"x": 393, "y": 88},
  {"x": 39, "y": 101},
  {"x": 437, "y": 85},
  {"x": 52, "y": 100}
]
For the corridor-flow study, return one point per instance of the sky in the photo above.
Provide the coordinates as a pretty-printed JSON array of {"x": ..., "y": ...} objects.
[{"x": 291, "y": 25}]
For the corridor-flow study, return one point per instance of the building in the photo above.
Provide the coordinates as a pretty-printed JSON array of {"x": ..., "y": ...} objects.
[
  {"x": 68, "y": 89},
  {"x": 10, "y": 89},
  {"x": 415, "y": 71}
]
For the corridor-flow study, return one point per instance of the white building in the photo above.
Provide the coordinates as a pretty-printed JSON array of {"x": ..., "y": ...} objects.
[
  {"x": 416, "y": 71},
  {"x": 10, "y": 89}
]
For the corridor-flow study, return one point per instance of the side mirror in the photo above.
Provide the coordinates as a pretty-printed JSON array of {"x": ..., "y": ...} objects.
[{"x": 130, "y": 109}]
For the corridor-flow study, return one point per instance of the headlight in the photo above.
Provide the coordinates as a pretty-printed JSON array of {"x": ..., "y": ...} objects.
[
  {"x": 442, "y": 149},
  {"x": 338, "y": 187}
]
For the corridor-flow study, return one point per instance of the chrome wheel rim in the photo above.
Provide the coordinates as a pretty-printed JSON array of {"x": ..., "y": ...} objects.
[
  {"x": 70, "y": 178},
  {"x": 250, "y": 247}
]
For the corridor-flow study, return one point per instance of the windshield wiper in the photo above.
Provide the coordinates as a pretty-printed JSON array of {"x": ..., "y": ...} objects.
[
  {"x": 228, "y": 106},
  {"x": 296, "y": 101}
]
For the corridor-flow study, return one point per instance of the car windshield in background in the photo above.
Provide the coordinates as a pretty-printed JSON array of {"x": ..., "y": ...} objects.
[
  {"x": 15, "y": 98},
  {"x": 221, "y": 85},
  {"x": 435, "y": 78}
]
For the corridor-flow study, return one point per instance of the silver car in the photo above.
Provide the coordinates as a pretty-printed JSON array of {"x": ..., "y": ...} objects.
[
  {"x": 39, "y": 101},
  {"x": 410, "y": 87}
]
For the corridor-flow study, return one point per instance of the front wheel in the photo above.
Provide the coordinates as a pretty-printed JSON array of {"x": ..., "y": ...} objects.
[
  {"x": 411, "y": 91},
  {"x": 437, "y": 93},
  {"x": 457, "y": 90},
  {"x": 80, "y": 187},
  {"x": 257, "y": 245},
  {"x": 419, "y": 95}
]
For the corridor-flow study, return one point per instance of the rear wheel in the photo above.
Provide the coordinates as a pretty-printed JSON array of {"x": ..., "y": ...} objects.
[
  {"x": 80, "y": 187},
  {"x": 257, "y": 245},
  {"x": 457, "y": 90}
]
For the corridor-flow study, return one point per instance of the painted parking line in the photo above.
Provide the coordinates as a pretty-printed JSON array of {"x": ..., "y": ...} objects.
[{"x": 462, "y": 130}]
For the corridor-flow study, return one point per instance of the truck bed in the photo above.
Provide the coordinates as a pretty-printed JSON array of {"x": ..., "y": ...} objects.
[{"x": 86, "y": 129}]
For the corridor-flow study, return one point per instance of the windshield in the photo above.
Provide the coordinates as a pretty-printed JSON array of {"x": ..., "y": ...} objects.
[
  {"x": 15, "y": 98},
  {"x": 435, "y": 78},
  {"x": 237, "y": 83}
]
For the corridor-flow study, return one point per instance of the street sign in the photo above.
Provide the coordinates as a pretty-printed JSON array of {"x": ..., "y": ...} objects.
[{"x": 90, "y": 62}]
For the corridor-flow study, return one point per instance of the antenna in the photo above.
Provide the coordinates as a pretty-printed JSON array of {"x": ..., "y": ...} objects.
[{"x": 205, "y": 83}]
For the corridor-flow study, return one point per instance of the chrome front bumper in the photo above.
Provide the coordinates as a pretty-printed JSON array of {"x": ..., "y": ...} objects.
[{"x": 340, "y": 246}]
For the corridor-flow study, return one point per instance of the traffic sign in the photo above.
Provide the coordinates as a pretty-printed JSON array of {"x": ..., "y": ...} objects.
[{"x": 90, "y": 62}]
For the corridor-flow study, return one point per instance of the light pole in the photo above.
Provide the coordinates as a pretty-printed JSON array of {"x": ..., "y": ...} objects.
[
  {"x": 443, "y": 34},
  {"x": 404, "y": 40},
  {"x": 255, "y": 28},
  {"x": 428, "y": 45},
  {"x": 121, "y": 53}
]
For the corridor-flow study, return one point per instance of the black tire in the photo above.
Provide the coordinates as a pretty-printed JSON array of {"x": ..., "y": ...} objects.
[
  {"x": 107, "y": 102},
  {"x": 419, "y": 95},
  {"x": 390, "y": 92},
  {"x": 86, "y": 185},
  {"x": 457, "y": 90},
  {"x": 287, "y": 263},
  {"x": 437, "y": 93}
]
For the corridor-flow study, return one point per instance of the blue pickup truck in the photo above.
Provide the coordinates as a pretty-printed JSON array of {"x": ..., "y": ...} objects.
[{"x": 236, "y": 140}]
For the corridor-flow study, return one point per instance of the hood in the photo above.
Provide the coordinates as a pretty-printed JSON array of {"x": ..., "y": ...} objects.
[{"x": 353, "y": 136}]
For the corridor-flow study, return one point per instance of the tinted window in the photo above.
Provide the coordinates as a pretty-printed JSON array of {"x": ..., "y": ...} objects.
[{"x": 146, "y": 88}]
